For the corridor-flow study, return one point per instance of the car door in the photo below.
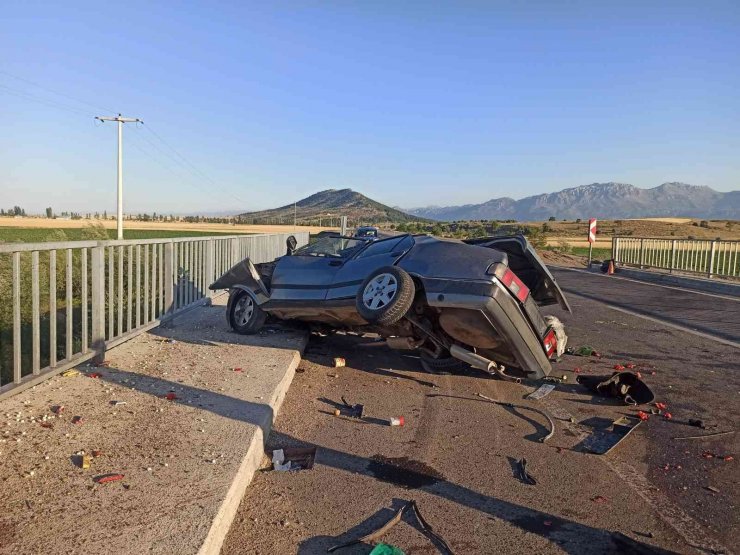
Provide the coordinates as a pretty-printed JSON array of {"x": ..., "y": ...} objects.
[
  {"x": 303, "y": 278},
  {"x": 352, "y": 273}
]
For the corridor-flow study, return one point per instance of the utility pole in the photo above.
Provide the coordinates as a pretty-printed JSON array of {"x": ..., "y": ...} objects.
[
  {"x": 295, "y": 215},
  {"x": 121, "y": 120}
]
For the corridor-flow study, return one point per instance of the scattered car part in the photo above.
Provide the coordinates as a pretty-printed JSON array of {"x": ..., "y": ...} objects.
[
  {"x": 423, "y": 524},
  {"x": 551, "y": 431},
  {"x": 621, "y": 385},
  {"x": 293, "y": 458},
  {"x": 522, "y": 474},
  {"x": 105, "y": 478},
  {"x": 600, "y": 442},
  {"x": 355, "y": 411},
  {"x": 542, "y": 391},
  {"x": 397, "y": 421},
  {"x": 715, "y": 434}
]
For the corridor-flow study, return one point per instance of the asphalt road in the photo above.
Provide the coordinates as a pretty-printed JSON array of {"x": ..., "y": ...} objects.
[
  {"x": 714, "y": 315},
  {"x": 457, "y": 452}
]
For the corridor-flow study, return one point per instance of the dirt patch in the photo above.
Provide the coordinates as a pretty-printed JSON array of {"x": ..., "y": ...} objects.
[{"x": 557, "y": 258}]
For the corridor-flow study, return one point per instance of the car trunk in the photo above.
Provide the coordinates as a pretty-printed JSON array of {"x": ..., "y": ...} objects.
[{"x": 528, "y": 267}]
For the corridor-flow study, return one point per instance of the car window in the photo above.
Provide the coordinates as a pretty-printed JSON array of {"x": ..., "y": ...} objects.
[
  {"x": 333, "y": 246},
  {"x": 384, "y": 246},
  {"x": 366, "y": 232}
]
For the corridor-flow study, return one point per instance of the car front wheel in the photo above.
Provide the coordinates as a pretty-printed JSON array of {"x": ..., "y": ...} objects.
[{"x": 245, "y": 316}]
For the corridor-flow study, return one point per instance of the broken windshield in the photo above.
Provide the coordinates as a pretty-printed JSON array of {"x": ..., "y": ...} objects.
[{"x": 333, "y": 246}]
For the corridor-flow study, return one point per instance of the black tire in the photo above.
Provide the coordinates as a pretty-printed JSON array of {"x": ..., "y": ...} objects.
[
  {"x": 443, "y": 365},
  {"x": 245, "y": 316},
  {"x": 386, "y": 300}
]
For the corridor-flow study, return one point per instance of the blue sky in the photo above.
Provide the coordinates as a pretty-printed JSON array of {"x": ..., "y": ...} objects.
[{"x": 254, "y": 105}]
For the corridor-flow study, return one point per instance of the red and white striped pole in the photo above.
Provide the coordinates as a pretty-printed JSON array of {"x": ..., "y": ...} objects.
[{"x": 591, "y": 238}]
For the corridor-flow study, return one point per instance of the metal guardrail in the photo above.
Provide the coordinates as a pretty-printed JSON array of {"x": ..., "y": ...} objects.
[
  {"x": 704, "y": 257},
  {"x": 112, "y": 291}
]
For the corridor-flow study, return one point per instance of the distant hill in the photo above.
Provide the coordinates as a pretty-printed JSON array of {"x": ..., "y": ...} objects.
[
  {"x": 332, "y": 203},
  {"x": 604, "y": 200}
]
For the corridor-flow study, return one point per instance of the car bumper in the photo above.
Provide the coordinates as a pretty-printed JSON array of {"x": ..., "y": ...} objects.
[{"x": 503, "y": 312}]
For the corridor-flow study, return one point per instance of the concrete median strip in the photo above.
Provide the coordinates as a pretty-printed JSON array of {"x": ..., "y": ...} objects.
[{"x": 185, "y": 432}]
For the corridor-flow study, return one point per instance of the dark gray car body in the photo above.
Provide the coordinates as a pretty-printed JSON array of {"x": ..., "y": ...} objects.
[{"x": 459, "y": 298}]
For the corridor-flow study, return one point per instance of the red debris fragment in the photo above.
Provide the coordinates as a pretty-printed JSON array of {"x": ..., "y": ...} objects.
[
  {"x": 666, "y": 467},
  {"x": 547, "y": 523},
  {"x": 639, "y": 376},
  {"x": 170, "y": 396},
  {"x": 237, "y": 369},
  {"x": 729, "y": 458},
  {"x": 97, "y": 453},
  {"x": 653, "y": 373},
  {"x": 661, "y": 406},
  {"x": 59, "y": 409},
  {"x": 708, "y": 455},
  {"x": 667, "y": 415},
  {"x": 618, "y": 367},
  {"x": 643, "y": 415},
  {"x": 630, "y": 365},
  {"x": 46, "y": 425},
  {"x": 105, "y": 478},
  {"x": 577, "y": 370},
  {"x": 94, "y": 375},
  {"x": 599, "y": 499},
  {"x": 77, "y": 420}
]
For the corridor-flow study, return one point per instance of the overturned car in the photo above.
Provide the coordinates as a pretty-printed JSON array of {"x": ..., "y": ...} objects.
[{"x": 456, "y": 302}]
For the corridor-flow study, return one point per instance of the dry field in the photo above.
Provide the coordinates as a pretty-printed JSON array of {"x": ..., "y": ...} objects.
[
  {"x": 575, "y": 234},
  {"x": 178, "y": 226}
]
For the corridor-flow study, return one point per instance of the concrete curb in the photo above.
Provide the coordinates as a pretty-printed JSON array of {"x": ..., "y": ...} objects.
[
  {"x": 249, "y": 465},
  {"x": 699, "y": 284}
]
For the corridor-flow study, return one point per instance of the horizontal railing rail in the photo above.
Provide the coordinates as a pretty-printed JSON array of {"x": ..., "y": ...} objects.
[
  {"x": 709, "y": 258},
  {"x": 64, "y": 302}
]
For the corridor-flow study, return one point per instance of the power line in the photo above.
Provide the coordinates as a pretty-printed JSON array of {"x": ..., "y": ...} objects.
[
  {"x": 194, "y": 168},
  {"x": 44, "y": 87},
  {"x": 183, "y": 177},
  {"x": 45, "y": 101}
]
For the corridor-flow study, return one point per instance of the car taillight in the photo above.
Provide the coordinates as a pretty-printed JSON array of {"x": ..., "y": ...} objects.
[
  {"x": 515, "y": 285},
  {"x": 550, "y": 342}
]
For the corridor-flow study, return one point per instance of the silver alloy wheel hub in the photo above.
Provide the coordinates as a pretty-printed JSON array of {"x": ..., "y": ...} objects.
[
  {"x": 380, "y": 291},
  {"x": 244, "y": 310}
]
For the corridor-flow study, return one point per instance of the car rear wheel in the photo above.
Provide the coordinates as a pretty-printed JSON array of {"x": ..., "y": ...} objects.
[
  {"x": 385, "y": 296},
  {"x": 245, "y": 316},
  {"x": 446, "y": 364}
]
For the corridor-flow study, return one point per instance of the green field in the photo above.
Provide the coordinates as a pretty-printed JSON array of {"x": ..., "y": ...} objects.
[
  {"x": 598, "y": 254},
  {"x": 92, "y": 233}
]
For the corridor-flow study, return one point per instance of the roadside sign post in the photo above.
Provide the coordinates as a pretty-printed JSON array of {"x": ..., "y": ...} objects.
[{"x": 591, "y": 238}]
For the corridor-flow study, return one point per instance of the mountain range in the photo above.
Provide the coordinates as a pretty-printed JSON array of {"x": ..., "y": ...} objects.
[{"x": 603, "y": 200}]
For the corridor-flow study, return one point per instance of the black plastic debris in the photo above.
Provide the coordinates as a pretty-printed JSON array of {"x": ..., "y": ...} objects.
[{"x": 620, "y": 385}]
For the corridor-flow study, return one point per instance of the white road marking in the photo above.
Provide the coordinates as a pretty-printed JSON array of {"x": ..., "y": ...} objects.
[{"x": 676, "y": 288}]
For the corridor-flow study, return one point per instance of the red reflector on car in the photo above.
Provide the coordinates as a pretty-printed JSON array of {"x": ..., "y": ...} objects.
[
  {"x": 515, "y": 285},
  {"x": 550, "y": 342}
]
